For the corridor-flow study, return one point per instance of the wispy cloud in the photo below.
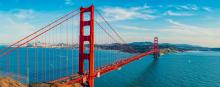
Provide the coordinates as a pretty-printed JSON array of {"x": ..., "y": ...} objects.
[
  {"x": 175, "y": 32},
  {"x": 21, "y": 22},
  {"x": 207, "y": 9},
  {"x": 133, "y": 28},
  {"x": 184, "y": 33},
  {"x": 194, "y": 29},
  {"x": 68, "y": 2},
  {"x": 141, "y": 7},
  {"x": 190, "y": 7},
  {"x": 171, "y": 13},
  {"x": 23, "y": 13},
  {"x": 13, "y": 27},
  {"x": 119, "y": 13}
]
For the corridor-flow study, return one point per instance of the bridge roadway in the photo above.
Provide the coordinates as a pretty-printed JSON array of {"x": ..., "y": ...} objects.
[{"x": 76, "y": 78}]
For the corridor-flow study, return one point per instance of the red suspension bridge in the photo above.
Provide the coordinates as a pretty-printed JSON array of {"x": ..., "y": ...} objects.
[{"x": 58, "y": 54}]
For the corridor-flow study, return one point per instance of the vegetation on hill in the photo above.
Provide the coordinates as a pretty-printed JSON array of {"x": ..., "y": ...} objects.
[
  {"x": 147, "y": 46},
  {"x": 9, "y": 82}
]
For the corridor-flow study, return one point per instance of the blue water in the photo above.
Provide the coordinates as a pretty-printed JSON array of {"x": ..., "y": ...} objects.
[
  {"x": 31, "y": 65},
  {"x": 188, "y": 69}
]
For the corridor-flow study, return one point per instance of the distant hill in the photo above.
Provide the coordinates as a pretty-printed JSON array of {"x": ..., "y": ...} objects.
[
  {"x": 144, "y": 46},
  {"x": 184, "y": 47},
  {"x": 215, "y": 49}
]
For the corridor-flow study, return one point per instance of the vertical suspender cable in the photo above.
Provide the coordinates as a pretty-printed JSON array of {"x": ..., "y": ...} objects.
[
  {"x": 117, "y": 34},
  {"x": 60, "y": 64},
  {"x": 72, "y": 47},
  {"x": 42, "y": 59},
  {"x": 14, "y": 44},
  {"x": 45, "y": 57},
  {"x": 27, "y": 65},
  {"x": 35, "y": 60},
  {"x": 18, "y": 64}
]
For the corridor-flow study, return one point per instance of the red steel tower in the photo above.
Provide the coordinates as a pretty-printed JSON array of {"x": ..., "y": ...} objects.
[
  {"x": 156, "y": 48},
  {"x": 89, "y": 56}
]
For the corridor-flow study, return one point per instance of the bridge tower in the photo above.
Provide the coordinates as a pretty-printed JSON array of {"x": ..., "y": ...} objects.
[
  {"x": 156, "y": 48},
  {"x": 89, "y": 56}
]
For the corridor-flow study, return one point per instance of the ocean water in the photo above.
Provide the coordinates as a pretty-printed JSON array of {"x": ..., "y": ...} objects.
[
  {"x": 34, "y": 65},
  {"x": 188, "y": 69}
]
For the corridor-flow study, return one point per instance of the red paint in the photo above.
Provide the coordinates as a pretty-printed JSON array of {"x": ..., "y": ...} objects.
[
  {"x": 90, "y": 38},
  {"x": 105, "y": 69},
  {"x": 92, "y": 73},
  {"x": 156, "y": 48}
]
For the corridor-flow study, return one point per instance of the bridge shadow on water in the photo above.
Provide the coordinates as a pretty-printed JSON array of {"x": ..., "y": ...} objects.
[{"x": 146, "y": 76}]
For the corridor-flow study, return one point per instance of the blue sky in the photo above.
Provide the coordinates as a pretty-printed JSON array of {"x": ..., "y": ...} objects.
[{"x": 173, "y": 21}]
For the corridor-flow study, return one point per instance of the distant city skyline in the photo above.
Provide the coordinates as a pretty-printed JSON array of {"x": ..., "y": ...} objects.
[{"x": 193, "y": 22}]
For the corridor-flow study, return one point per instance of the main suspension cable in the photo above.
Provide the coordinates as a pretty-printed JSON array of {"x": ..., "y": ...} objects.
[
  {"x": 10, "y": 50},
  {"x": 38, "y": 31},
  {"x": 114, "y": 30}
]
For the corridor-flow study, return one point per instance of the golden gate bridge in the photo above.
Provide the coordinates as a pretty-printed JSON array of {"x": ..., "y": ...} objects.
[{"x": 62, "y": 55}]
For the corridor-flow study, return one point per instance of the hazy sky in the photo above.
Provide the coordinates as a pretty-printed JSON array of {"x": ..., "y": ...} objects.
[{"x": 173, "y": 21}]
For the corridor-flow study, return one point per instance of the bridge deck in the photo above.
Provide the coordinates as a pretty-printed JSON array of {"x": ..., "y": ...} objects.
[{"x": 76, "y": 78}]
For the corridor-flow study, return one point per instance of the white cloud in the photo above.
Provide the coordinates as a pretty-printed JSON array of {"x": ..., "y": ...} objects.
[
  {"x": 207, "y": 9},
  {"x": 171, "y": 13},
  {"x": 176, "y": 32},
  {"x": 68, "y": 2},
  {"x": 134, "y": 28},
  {"x": 18, "y": 23},
  {"x": 184, "y": 33},
  {"x": 184, "y": 7},
  {"x": 23, "y": 13},
  {"x": 194, "y": 7},
  {"x": 188, "y": 7},
  {"x": 118, "y": 13},
  {"x": 140, "y": 7},
  {"x": 12, "y": 29},
  {"x": 195, "y": 29}
]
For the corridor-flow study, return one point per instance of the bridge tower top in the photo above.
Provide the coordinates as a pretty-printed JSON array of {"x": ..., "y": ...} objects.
[
  {"x": 155, "y": 43},
  {"x": 156, "y": 48}
]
